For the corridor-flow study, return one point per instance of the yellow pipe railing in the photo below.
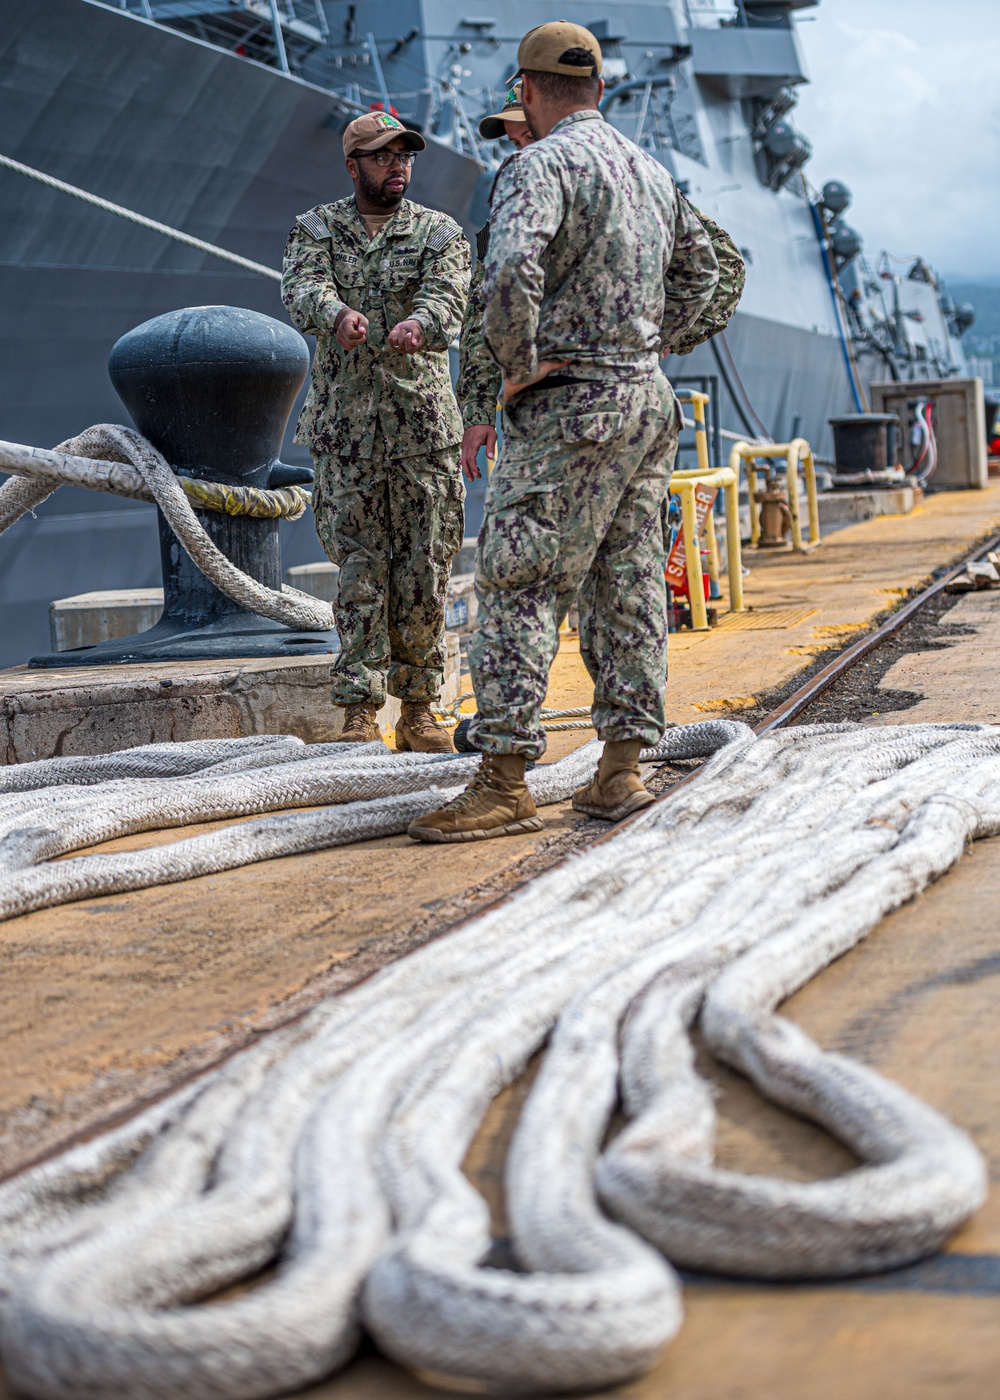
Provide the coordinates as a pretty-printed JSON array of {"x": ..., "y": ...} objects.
[
  {"x": 698, "y": 402},
  {"x": 683, "y": 484},
  {"x": 795, "y": 452}
]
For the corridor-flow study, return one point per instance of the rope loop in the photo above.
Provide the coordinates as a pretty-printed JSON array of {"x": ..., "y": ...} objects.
[{"x": 152, "y": 478}]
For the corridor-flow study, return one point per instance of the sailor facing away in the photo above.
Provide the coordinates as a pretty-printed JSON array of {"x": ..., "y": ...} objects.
[
  {"x": 595, "y": 267},
  {"x": 382, "y": 284},
  {"x": 479, "y": 375}
]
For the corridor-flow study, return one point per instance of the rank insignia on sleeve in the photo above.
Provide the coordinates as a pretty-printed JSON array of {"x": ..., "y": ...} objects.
[{"x": 314, "y": 225}]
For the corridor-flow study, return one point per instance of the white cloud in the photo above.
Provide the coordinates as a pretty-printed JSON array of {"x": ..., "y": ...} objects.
[{"x": 904, "y": 108}]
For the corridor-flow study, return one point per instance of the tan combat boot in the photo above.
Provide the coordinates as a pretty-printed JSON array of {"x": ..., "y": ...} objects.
[
  {"x": 419, "y": 732},
  {"x": 496, "y": 803},
  {"x": 360, "y": 724},
  {"x": 615, "y": 791}
]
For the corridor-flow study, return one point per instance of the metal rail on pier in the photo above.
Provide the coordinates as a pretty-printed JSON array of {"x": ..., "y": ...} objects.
[{"x": 684, "y": 484}]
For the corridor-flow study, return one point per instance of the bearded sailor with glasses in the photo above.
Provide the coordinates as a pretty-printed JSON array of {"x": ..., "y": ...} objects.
[{"x": 382, "y": 283}]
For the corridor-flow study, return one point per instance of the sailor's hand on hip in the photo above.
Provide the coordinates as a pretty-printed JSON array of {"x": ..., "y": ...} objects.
[
  {"x": 510, "y": 387},
  {"x": 406, "y": 336},
  {"x": 479, "y": 435},
  {"x": 350, "y": 328}
]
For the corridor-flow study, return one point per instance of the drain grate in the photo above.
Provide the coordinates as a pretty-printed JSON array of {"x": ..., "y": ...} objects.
[{"x": 762, "y": 619}]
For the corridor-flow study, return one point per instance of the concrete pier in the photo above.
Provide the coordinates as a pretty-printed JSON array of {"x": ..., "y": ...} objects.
[
  {"x": 98, "y": 709},
  {"x": 106, "y": 1003}
]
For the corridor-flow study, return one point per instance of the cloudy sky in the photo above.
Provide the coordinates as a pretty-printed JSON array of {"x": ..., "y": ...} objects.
[{"x": 904, "y": 108}]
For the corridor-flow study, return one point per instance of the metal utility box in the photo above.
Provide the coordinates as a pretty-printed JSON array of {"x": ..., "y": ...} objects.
[{"x": 958, "y": 417}]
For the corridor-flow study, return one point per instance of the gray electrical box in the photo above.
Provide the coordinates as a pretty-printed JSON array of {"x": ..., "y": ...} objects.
[{"x": 958, "y": 415}]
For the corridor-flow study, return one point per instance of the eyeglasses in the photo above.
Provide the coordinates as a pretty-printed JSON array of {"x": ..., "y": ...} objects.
[{"x": 383, "y": 159}]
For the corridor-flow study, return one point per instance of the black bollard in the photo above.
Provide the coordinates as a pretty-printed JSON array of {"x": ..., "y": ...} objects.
[{"x": 212, "y": 388}]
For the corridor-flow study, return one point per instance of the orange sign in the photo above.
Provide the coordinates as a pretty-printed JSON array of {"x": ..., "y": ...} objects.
[{"x": 676, "y": 570}]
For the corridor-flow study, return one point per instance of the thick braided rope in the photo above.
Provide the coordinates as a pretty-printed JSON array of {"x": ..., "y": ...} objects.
[
  {"x": 17, "y": 497},
  {"x": 333, "y": 1150},
  {"x": 61, "y": 468},
  {"x": 148, "y": 760},
  {"x": 62, "y": 805},
  {"x": 111, "y": 442},
  {"x": 547, "y": 718},
  {"x": 20, "y": 495}
]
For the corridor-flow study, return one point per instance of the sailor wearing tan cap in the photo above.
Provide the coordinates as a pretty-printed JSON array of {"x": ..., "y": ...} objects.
[
  {"x": 594, "y": 267},
  {"x": 382, "y": 283},
  {"x": 510, "y": 121},
  {"x": 479, "y": 378}
]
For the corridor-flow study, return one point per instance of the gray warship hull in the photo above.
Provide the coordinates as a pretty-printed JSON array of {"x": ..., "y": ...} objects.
[
  {"x": 227, "y": 149},
  {"x": 230, "y": 149}
]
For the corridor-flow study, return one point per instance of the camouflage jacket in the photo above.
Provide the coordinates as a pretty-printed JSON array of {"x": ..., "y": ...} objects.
[
  {"x": 732, "y": 279},
  {"x": 416, "y": 266},
  {"x": 479, "y": 376},
  {"x": 593, "y": 256}
]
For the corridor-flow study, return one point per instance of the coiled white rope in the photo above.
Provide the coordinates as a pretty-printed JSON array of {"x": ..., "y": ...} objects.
[
  {"x": 113, "y": 443},
  {"x": 55, "y": 806},
  {"x": 332, "y": 1150}
]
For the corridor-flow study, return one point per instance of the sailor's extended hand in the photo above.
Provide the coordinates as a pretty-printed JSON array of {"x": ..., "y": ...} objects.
[
  {"x": 350, "y": 328},
  {"x": 510, "y": 388},
  {"x": 406, "y": 337},
  {"x": 479, "y": 435}
]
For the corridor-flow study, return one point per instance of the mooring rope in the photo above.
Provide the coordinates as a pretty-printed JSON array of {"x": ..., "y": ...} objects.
[
  {"x": 121, "y": 210},
  {"x": 42, "y": 465},
  {"x": 552, "y": 721},
  {"x": 94, "y": 453},
  {"x": 329, "y": 1155}
]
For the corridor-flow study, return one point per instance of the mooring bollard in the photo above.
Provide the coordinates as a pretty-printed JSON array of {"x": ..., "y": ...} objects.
[{"x": 212, "y": 388}]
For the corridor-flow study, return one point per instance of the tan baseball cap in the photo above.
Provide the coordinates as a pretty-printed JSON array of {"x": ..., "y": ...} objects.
[
  {"x": 377, "y": 129},
  {"x": 543, "y": 50},
  {"x": 491, "y": 128}
]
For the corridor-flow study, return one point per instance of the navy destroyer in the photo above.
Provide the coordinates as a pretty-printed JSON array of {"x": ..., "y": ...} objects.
[{"x": 222, "y": 119}]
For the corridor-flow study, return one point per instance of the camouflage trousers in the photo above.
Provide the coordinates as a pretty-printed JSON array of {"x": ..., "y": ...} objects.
[
  {"x": 392, "y": 524},
  {"x": 573, "y": 507}
]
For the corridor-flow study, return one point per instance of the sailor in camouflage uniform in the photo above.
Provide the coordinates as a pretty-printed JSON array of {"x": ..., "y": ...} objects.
[
  {"x": 595, "y": 267},
  {"x": 382, "y": 284},
  {"x": 479, "y": 377}
]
